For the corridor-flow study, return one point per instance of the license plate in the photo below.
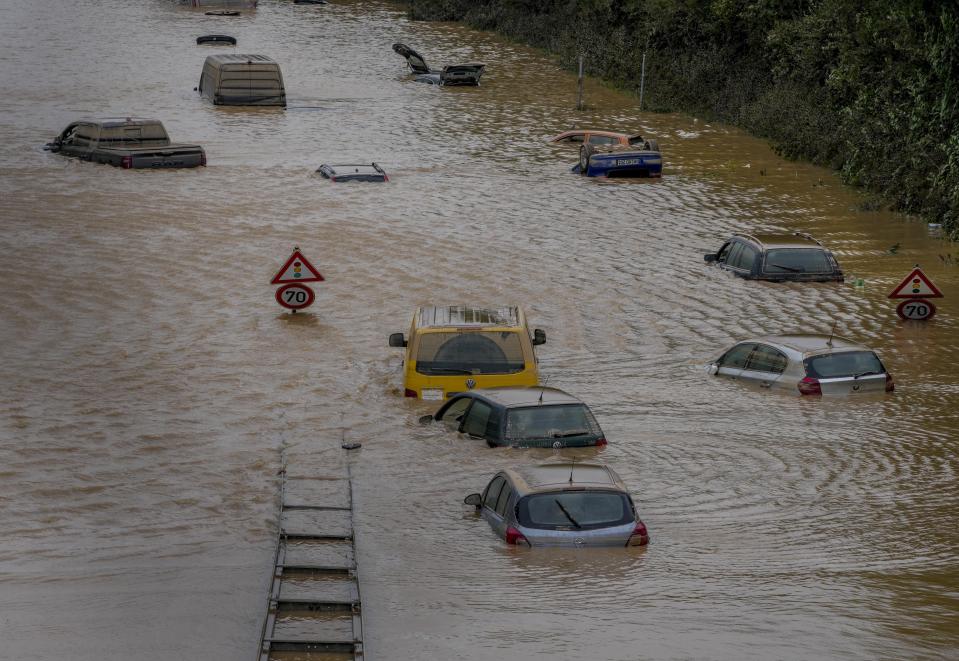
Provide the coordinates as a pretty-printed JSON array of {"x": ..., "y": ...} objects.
[
  {"x": 627, "y": 161},
  {"x": 432, "y": 394}
]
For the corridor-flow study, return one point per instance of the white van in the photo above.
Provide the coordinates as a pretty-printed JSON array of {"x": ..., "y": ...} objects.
[{"x": 242, "y": 80}]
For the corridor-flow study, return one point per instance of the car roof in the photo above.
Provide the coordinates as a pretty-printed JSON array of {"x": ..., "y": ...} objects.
[
  {"x": 109, "y": 122},
  {"x": 566, "y": 475},
  {"x": 440, "y": 316},
  {"x": 235, "y": 58},
  {"x": 783, "y": 240},
  {"x": 358, "y": 168},
  {"x": 612, "y": 134},
  {"x": 813, "y": 342},
  {"x": 513, "y": 396}
]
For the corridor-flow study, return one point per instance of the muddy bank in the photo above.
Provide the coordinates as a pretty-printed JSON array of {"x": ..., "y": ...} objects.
[{"x": 865, "y": 88}]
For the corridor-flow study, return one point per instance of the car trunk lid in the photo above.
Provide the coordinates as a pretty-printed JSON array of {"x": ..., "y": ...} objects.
[{"x": 414, "y": 59}]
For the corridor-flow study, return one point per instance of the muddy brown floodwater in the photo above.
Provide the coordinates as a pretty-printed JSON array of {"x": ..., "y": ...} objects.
[{"x": 150, "y": 380}]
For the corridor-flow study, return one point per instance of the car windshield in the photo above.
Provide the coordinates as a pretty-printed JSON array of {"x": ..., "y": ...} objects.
[
  {"x": 470, "y": 352},
  {"x": 579, "y": 510},
  {"x": 550, "y": 421},
  {"x": 844, "y": 364},
  {"x": 797, "y": 260}
]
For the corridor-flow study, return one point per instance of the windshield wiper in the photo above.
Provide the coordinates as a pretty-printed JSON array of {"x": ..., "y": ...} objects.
[
  {"x": 450, "y": 370},
  {"x": 568, "y": 515},
  {"x": 788, "y": 268},
  {"x": 571, "y": 432},
  {"x": 856, "y": 376}
]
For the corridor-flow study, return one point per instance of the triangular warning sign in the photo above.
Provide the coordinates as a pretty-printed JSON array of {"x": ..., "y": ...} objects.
[
  {"x": 916, "y": 285},
  {"x": 296, "y": 269}
]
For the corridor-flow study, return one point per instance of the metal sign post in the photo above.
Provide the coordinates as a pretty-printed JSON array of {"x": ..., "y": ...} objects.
[{"x": 579, "y": 93}]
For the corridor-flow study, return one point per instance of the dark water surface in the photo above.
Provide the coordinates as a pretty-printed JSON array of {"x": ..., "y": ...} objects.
[{"x": 150, "y": 380}]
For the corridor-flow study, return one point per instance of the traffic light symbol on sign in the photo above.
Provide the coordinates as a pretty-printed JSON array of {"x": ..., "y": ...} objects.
[{"x": 296, "y": 269}]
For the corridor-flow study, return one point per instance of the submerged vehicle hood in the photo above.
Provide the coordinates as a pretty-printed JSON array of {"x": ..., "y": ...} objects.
[{"x": 414, "y": 59}]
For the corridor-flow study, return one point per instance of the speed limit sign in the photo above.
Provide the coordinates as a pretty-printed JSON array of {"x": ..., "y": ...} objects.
[
  {"x": 295, "y": 297},
  {"x": 916, "y": 309}
]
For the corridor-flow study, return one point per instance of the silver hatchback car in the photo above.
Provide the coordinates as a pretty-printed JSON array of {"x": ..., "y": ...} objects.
[
  {"x": 561, "y": 505},
  {"x": 808, "y": 363}
]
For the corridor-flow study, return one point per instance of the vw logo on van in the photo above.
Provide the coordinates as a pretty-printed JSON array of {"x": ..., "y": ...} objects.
[{"x": 470, "y": 383}]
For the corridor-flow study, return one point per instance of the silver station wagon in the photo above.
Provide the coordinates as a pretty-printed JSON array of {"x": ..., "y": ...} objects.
[
  {"x": 808, "y": 363},
  {"x": 568, "y": 504}
]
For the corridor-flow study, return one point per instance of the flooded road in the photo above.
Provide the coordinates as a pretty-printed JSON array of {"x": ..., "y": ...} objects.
[{"x": 150, "y": 380}]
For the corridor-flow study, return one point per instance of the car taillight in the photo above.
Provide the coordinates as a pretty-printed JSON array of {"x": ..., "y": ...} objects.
[
  {"x": 890, "y": 384},
  {"x": 126, "y": 162},
  {"x": 409, "y": 393},
  {"x": 602, "y": 441},
  {"x": 385, "y": 178},
  {"x": 640, "y": 536},
  {"x": 809, "y": 386},
  {"x": 203, "y": 158},
  {"x": 514, "y": 536}
]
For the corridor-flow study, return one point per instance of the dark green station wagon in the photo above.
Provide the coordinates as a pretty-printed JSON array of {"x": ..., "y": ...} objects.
[
  {"x": 537, "y": 417},
  {"x": 778, "y": 258}
]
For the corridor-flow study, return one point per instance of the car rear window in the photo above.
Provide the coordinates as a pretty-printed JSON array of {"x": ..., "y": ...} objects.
[
  {"x": 603, "y": 140},
  {"x": 550, "y": 421},
  {"x": 133, "y": 133},
  {"x": 473, "y": 352},
  {"x": 578, "y": 510},
  {"x": 845, "y": 363},
  {"x": 797, "y": 260}
]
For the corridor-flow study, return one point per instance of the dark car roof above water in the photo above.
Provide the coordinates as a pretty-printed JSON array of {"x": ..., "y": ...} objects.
[
  {"x": 511, "y": 397},
  {"x": 784, "y": 240},
  {"x": 111, "y": 122}
]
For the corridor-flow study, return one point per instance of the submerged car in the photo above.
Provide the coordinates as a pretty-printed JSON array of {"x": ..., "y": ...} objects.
[
  {"x": 522, "y": 417},
  {"x": 371, "y": 172},
  {"x": 454, "y": 348},
  {"x": 810, "y": 364},
  {"x": 129, "y": 142},
  {"x": 598, "y": 137},
  {"x": 242, "y": 80},
  {"x": 777, "y": 258},
  {"x": 216, "y": 39},
  {"x": 568, "y": 504},
  {"x": 619, "y": 160},
  {"x": 454, "y": 74}
]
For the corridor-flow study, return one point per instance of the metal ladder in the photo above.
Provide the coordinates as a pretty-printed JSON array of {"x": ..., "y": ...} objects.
[{"x": 314, "y": 602}]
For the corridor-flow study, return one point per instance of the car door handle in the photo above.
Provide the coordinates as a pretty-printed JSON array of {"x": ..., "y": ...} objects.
[{"x": 765, "y": 384}]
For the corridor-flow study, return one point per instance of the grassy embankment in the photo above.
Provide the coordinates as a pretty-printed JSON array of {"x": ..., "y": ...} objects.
[{"x": 869, "y": 87}]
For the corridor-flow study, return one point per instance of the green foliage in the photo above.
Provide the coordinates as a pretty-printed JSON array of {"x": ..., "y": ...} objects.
[{"x": 870, "y": 87}]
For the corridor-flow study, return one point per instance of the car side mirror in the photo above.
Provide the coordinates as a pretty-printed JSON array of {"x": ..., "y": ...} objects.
[
  {"x": 539, "y": 337},
  {"x": 397, "y": 340},
  {"x": 711, "y": 257},
  {"x": 712, "y": 369},
  {"x": 426, "y": 419},
  {"x": 473, "y": 499}
]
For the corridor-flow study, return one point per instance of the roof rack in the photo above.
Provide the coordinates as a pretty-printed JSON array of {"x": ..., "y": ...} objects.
[{"x": 806, "y": 235}]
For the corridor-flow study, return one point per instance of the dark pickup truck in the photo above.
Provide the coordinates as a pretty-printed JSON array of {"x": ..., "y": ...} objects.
[{"x": 126, "y": 143}]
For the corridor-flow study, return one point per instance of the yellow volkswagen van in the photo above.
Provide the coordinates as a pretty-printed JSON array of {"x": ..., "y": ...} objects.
[{"x": 454, "y": 348}]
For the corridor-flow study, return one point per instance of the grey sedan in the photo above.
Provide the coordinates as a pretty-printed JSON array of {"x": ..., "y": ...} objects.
[
  {"x": 565, "y": 504},
  {"x": 809, "y": 364}
]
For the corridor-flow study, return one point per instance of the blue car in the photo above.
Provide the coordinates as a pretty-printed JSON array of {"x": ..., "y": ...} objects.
[{"x": 620, "y": 160}]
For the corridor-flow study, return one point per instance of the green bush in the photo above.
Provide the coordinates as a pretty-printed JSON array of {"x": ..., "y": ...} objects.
[{"x": 869, "y": 87}]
